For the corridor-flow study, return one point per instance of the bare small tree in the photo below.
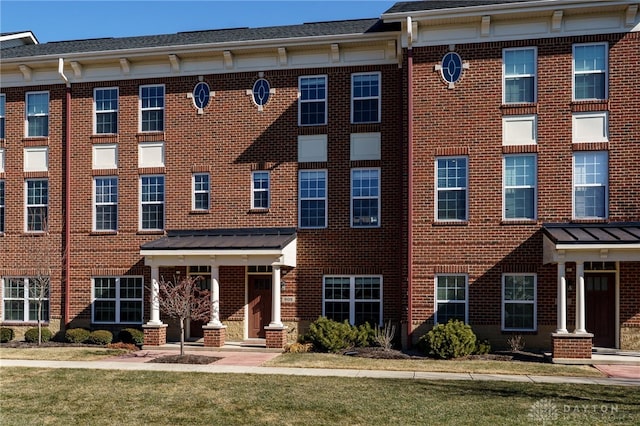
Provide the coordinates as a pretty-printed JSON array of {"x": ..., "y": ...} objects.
[
  {"x": 183, "y": 299},
  {"x": 46, "y": 258}
]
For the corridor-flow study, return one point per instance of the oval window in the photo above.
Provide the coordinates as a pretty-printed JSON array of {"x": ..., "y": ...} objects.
[
  {"x": 201, "y": 95},
  {"x": 451, "y": 67},
  {"x": 261, "y": 92}
]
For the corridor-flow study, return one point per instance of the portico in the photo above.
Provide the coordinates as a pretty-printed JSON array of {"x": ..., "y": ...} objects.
[{"x": 271, "y": 247}]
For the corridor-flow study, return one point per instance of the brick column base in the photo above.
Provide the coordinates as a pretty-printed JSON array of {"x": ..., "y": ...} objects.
[
  {"x": 155, "y": 335},
  {"x": 572, "y": 346},
  {"x": 276, "y": 337},
  {"x": 214, "y": 336}
]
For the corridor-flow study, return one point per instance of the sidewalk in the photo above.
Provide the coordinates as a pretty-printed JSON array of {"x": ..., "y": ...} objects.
[{"x": 218, "y": 367}]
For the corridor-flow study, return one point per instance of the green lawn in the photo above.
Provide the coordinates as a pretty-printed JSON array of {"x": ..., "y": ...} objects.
[
  {"x": 70, "y": 353},
  {"x": 98, "y": 397}
]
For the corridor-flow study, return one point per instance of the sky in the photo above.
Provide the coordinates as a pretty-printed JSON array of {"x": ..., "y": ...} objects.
[{"x": 74, "y": 20}]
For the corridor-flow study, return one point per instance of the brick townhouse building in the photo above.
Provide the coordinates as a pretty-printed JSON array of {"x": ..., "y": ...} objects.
[{"x": 470, "y": 160}]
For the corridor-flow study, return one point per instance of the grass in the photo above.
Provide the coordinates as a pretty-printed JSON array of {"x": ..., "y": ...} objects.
[
  {"x": 99, "y": 397},
  {"x": 71, "y": 353},
  {"x": 319, "y": 360}
]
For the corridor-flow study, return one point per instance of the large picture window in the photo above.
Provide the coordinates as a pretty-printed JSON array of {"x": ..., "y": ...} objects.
[
  {"x": 152, "y": 203},
  {"x": 451, "y": 298},
  {"x": 357, "y": 299},
  {"x": 106, "y": 204},
  {"x": 106, "y": 110},
  {"x": 451, "y": 189},
  {"x": 365, "y": 197},
  {"x": 312, "y": 104},
  {"x": 152, "y": 108},
  {"x": 37, "y": 114},
  {"x": 20, "y": 298},
  {"x": 365, "y": 98},
  {"x": 37, "y": 205},
  {"x": 519, "y": 302},
  {"x": 590, "y": 181},
  {"x": 117, "y": 300},
  {"x": 519, "y": 73},
  {"x": 520, "y": 187},
  {"x": 313, "y": 198},
  {"x": 590, "y": 71}
]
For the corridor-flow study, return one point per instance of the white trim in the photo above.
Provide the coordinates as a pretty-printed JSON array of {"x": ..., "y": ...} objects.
[
  {"x": 578, "y": 117},
  {"x": 513, "y": 132},
  {"x": 254, "y": 190},
  {"x": 325, "y": 100},
  {"x": 95, "y": 204},
  {"x": 164, "y": 201},
  {"x": 325, "y": 198},
  {"x": 194, "y": 191},
  {"x": 534, "y": 186},
  {"x": 436, "y": 300},
  {"x": 164, "y": 107},
  {"x": 27, "y": 115},
  {"x": 26, "y": 205},
  {"x": 378, "y": 220},
  {"x": 534, "y": 302},
  {"x": 379, "y": 97},
  {"x": 25, "y": 300},
  {"x": 465, "y": 188},
  {"x": 533, "y": 75},
  {"x": 352, "y": 295},
  {"x": 95, "y": 111},
  {"x": 606, "y": 70},
  {"x": 118, "y": 300},
  {"x": 604, "y": 184}
]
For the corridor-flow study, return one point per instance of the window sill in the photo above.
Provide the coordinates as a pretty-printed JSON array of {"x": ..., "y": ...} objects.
[
  {"x": 590, "y": 220},
  {"x": 98, "y": 233},
  {"x": 197, "y": 212},
  {"x": 258, "y": 211},
  {"x": 525, "y": 108},
  {"x": 151, "y": 232},
  {"x": 451, "y": 223},
  {"x": 519, "y": 222}
]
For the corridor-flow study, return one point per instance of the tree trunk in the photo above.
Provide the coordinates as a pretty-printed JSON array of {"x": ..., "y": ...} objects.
[
  {"x": 39, "y": 322},
  {"x": 181, "y": 336}
]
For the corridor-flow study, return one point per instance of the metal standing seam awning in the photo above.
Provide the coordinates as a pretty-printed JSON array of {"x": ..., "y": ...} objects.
[
  {"x": 570, "y": 242},
  {"x": 230, "y": 247}
]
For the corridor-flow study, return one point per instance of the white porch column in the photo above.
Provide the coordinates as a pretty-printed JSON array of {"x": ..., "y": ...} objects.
[
  {"x": 215, "y": 296},
  {"x": 562, "y": 299},
  {"x": 155, "y": 297},
  {"x": 275, "y": 298},
  {"x": 580, "y": 299}
]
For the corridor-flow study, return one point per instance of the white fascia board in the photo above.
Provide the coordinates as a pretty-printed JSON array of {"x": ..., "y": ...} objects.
[
  {"x": 576, "y": 247},
  {"x": 213, "y": 252},
  {"x": 25, "y": 35}
]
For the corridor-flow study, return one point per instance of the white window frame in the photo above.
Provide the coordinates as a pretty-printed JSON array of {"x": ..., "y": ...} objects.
[
  {"x": 576, "y": 73},
  {"x": 255, "y": 190},
  {"x": 118, "y": 300},
  {"x": 604, "y": 184},
  {"x": 2, "y": 206},
  {"x": 533, "y": 75},
  {"x": 533, "y": 302},
  {"x": 302, "y": 198},
  {"x": 97, "y": 204},
  {"x": 455, "y": 188},
  {"x": 3, "y": 103},
  {"x": 197, "y": 190},
  {"x": 365, "y": 98},
  {"x": 141, "y": 203},
  {"x": 533, "y": 187},
  {"x": 97, "y": 112},
  {"x": 457, "y": 301},
  {"x": 324, "y": 100},
  {"x": 155, "y": 108},
  {"x": 26, "y": 300},
  {"x": 39, "y": 114},
  {"x": 352, "y": 295},
  {"x": 27, "y": 206},
  {"x": 371, "y": 224}
]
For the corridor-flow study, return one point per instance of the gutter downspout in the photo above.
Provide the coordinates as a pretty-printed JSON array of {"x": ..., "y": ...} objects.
[
  {"x": 410, "y": 182},
  {"x": 67, "y": 196}
]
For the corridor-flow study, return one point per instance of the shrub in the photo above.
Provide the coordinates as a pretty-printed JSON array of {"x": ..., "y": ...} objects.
[
  {"x": 131, "y": 335},
  {"x": 330, "y": 336},
  {"x": 31, "y": 335},
  {"x": 6, "y": 334},
  {"x": 76, "y": 335},
  {"x": 384, "y": 337},
  {"x": 482, "y": 347},
  {"x": 364, "y": 335},
  {"x": 515, "y": 343},
  {"x": 454, "y": 339},
  {"x": 100, "y": 337}
]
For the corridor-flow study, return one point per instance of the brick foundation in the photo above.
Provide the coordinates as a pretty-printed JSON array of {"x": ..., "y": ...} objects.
[
  {"x": 276, "y": 337},
  {"x": 155, "y": 335},
  {"x": 214, "y": 337},
  {"x": 572, "y": 346}
]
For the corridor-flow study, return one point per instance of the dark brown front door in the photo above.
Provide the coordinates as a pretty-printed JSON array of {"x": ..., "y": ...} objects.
[
  {"x": 259, "y": 304},
  {"x": 600, "y": 308}
]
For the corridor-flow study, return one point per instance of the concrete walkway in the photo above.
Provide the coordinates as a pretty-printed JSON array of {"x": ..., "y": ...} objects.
[{"x": 139, "y": 363}]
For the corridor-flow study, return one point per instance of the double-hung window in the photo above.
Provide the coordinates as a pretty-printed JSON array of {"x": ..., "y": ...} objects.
[
  {"x": 365, "y": 197},
  {"x": 519, "y": 73},
  {"x": 106, "y": 204},
  {"x": 590, "y": 71},
  {"x": 365, "y": 98},
  {"x": 2, "y": 113},
  {"x": 37, "y": 114},
  {"x": 152, "y": 108},
  {"x": 520, "y": 186},
  {"x": 117, "y": 300},
  {"x": 519, "y": 302},
  {"x": 20, "y": 299},
  {"x": 1, "y": 206},
  {"x": 152, "y": 202},
  {"x": 313, "y": 198},
  {"x": 37, "y": 203},
  {"x": 451, "y": 298},
  {"x": 106, "y": 110},
  {"x": 451, "y": 189},
  {"x": 312, "y": 103},
  {"x": 590, "y": 181},
  {"x": 201, "y": 191},
  {"x": 357, "y": 299},
  {"x": 260, "y": 190}
]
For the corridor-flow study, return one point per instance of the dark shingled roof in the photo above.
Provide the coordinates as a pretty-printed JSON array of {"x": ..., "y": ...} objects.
[
  {"x": 602, "y": 233},
  {"x": 224, "y": 239},
  {"x": 415, "y": 6},
  {"x": 316, "y": 29}
]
